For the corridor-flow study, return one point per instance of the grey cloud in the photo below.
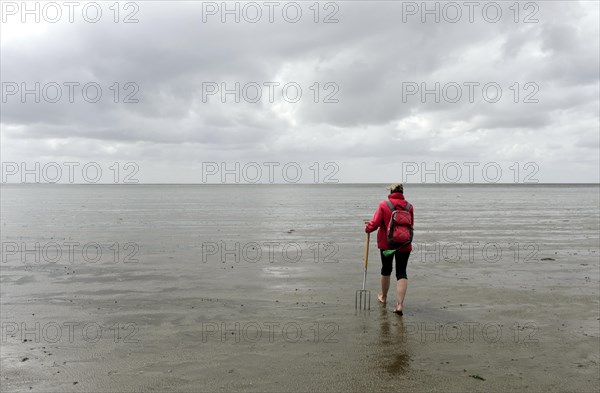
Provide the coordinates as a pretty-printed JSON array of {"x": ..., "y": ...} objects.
[{"x": 368, "y": 54}]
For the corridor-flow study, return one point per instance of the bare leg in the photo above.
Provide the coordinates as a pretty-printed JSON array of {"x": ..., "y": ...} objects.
[
  {"x": 385, "y": 286},
  {"x": 401, "y": 287}
]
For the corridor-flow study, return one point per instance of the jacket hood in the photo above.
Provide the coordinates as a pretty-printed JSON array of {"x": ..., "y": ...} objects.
[{"x": 397, "y": 198}]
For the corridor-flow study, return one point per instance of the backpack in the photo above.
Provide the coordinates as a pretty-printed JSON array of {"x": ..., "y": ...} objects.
[{"x": 399, "y": 231}]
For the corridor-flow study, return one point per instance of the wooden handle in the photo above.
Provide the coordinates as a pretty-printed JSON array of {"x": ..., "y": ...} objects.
[{"x": 367, "y": 250}]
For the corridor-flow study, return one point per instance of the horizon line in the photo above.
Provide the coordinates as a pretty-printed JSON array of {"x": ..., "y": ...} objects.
[{"x": 301, "y": 184}]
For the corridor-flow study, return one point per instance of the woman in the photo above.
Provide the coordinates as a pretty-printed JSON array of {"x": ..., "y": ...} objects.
[{"x": 380, "y": 220}]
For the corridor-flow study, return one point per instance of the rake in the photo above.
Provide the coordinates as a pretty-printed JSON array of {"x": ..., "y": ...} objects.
[{"x": 362, "y": 300}]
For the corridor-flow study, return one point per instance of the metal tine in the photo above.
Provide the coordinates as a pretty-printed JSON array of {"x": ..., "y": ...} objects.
[{"x": 362, "y": 300}]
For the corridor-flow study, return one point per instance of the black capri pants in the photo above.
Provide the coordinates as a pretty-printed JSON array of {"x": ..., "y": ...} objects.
[{"x": 401, "y": 262}]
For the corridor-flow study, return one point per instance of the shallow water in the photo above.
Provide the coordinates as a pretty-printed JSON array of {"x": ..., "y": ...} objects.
[{"x": 251, "y": 288}]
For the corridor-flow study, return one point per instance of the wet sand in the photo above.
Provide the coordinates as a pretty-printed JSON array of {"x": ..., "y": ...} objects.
[{"x": 182, "y": 319}]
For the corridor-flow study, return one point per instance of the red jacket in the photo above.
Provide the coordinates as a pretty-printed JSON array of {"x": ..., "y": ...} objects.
[{"x": 381, "y": 219}]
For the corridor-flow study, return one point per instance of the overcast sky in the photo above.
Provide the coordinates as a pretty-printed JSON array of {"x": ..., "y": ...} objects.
[{"x": 363, "y": 69}]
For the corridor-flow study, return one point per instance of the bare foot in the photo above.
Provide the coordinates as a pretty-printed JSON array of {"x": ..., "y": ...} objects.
[
  {"x": 398, "y": 310},
  {"x": 381, "y": 298}
]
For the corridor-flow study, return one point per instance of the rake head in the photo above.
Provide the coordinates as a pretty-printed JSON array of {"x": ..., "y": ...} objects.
[{"x": 362, "y": 300}]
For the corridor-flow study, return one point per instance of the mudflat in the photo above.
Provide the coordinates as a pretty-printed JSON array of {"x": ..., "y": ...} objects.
[{"x": 251, "y": 288}]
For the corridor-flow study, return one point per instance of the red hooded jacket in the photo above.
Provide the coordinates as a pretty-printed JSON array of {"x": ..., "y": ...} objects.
[{"x": 382, "y": 217}]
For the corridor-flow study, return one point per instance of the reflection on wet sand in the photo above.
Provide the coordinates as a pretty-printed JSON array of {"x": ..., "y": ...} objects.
[{"x": 392, "y": 354}]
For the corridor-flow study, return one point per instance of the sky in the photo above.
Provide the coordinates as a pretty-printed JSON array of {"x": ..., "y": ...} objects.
[{"x": 300, "y": 92}]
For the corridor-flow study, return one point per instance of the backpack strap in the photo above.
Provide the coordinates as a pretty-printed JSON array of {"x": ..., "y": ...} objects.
[
  {"x": 407, "y": 208},
  {"x": 390, "y": 205}
]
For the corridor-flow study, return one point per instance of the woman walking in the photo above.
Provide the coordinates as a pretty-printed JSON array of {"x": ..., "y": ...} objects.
[{"x": 381, "y": 220}]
